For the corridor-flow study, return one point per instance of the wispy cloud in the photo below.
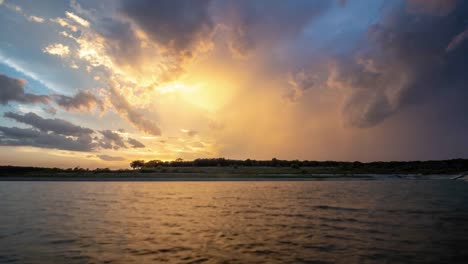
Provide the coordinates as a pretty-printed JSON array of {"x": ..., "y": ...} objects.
[
  {"x": 57, "y": 49},
  {"x": 36, "y": 19},
  {"x": 83, "y": 22},
  {"x": 23, "y": 68},
  {"x": 110, "y": 158}
]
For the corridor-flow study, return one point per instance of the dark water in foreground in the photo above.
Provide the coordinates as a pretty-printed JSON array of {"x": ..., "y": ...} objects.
[{"x": 234, "y": 222}]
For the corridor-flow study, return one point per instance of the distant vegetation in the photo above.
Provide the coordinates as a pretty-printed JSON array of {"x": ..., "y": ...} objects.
[
  {"x": 390, "y": 167},
  {"x": 222, "y": 167}
]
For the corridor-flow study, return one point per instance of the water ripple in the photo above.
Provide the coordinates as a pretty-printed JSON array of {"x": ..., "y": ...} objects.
[{"x": 234, "y": 222}]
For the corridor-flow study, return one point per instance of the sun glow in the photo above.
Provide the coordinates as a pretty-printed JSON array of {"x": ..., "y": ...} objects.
[{"x": 177, "y": 87}]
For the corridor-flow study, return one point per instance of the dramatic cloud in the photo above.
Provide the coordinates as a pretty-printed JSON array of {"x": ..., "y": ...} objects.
[
  {"x": 394, "y": 72},
  {"x": 120, "y": 43},
  {"x": 83, "y": 100},
  {"x": 133, "y": 116},
  {"x": 58, "y": 126},
  {"x": 112, "y": 140},
  {"x": 251, "y": 22},
  {"x": 12, "y": 89},
  {"x": 59, "y": 134},
  {"x": 180, "y": 25},
  {"x": 110, "y": 158},
  {"x": 29, "y": 137},
  {"x": 135, "y": 143},
  {"x": 401, "y": 62},
  {"x": 305, "y": 79},
  {"x": 373, "y": 89},
  {"x": 405, "y": 66}
]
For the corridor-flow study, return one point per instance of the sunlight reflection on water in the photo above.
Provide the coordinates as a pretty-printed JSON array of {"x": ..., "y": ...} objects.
[{"x": 237, "y": 222}]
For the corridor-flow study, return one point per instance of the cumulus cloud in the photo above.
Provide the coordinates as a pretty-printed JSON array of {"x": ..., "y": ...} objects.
[
  {"x": 12, "y": 89},
  {"x": 83, "y": 100},
  {"x": 120, "y": 40},
  {"x": 125, "y": 44},
  {"x": 56, "y": 125},
  {"x": 112, "y": 140},
  {"x": 110, "y": 158},
  {"x": 57, "y": 49},
  {"x": 135, "y": 143},
  {"x": 59, "y": 134},
  {"x": 373, "y": 87},
  {"x": 174, "y": 32},
  {"x": 30, "y": 137},
  {"x": 399, "y": 63},
  {"x": 47, "y": 133}
]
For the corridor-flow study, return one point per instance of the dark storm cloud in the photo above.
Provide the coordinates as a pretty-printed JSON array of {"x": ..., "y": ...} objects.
[
  {"x": 12, "y": 89},
  {"x": 135, "y": 143},
  {"x": 412, "y": 48},
  {"x": 83, "y": 100},
  {"x": 176, "y": 24},
  {"x": 267, "y": 21},
  {"x": 13, "y": 136},
  {"x": 407, "y": 58},
  {"x": 374, "y": 87},
  {"x": 58, "y": 126},
  {"x": 121, "y": 41},
  {"x": 432, "y": 7},
  {"x": 110, "y": 158},
  {"x": 112, "y": 140}
]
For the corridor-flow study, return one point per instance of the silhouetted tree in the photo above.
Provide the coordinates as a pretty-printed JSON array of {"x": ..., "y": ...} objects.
[
  {"x": 137, "y": 164},
  {"x": 153, "y": 163}
]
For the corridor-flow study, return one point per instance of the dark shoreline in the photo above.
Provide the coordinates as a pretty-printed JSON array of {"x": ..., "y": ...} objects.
[
  {"x": 196, "y": 178},
  {"x": 150, "y": 179}
]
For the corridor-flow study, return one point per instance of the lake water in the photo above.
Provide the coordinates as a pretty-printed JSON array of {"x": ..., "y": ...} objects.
[{"x": 234, "y": 222}]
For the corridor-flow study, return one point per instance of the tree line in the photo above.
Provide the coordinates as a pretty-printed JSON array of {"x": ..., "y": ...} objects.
[
  {"x": 434, "y": 166},
  {"x": 398, "y": 167}
]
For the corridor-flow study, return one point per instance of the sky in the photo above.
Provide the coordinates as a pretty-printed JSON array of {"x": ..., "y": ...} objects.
[{"x": 101, "y": 83}]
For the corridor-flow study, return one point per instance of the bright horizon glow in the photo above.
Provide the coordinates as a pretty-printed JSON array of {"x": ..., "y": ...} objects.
[{"x": 111, "y": 82}]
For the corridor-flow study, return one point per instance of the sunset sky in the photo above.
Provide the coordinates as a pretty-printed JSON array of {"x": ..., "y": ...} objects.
[{"x": 100, "y": 83}]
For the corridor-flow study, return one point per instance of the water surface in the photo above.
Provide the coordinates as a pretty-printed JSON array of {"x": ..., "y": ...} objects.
[{"x": 234, "y": 222}]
